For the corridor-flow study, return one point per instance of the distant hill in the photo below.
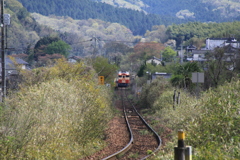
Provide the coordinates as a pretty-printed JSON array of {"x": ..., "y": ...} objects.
[
  {"x": 137, "y": 21},
  {"x": 139, "y": 15},
  {"x": 199, "y": 10}
]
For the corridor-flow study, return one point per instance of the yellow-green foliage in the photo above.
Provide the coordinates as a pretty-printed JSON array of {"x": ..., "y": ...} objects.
[
  {"x": 176, "y": 114},
  {"x": 211, "y": 122},
  {"x": 151, "y": 92},
  {"x": 217, "y": 129},
  {"x": 62, "y": 70},
  {"x": 61, "y": 113}
]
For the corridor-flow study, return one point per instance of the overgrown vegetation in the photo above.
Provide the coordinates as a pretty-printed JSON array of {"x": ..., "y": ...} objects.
[
  {"x": 46, "y": 118},
  {"x": 211, "y": 122},
  {"x": 59, "y": 112}
]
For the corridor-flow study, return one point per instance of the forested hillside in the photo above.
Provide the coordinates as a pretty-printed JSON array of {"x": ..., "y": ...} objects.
[
  {"x": 138, "y": 22},
  {"x": 198, "y": 10},
  {"x": 23, "y": 30},
  {"x": 85, "y": 36},
  {"x": 184, "y": 9},
  {"x": 196, "y": 31}
]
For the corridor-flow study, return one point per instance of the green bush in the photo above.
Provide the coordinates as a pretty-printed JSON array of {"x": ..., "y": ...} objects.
[
  {"x": 218, "y": 124},
  {"x": 151, "y": 92}
]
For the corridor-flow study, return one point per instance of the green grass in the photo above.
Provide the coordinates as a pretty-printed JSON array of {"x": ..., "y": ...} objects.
[{"x": 144, "y": 132}]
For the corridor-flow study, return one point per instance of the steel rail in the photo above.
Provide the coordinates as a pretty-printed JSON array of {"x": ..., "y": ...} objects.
[
  {"x": 130, "y": 143},
  {"x": 150, "y": 128}
]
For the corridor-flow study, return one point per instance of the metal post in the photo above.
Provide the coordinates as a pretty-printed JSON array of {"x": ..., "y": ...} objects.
[
  {"x": 6, "y": 38},
  {"x": 131, "y": 67},
  {"x": 179, "y": 151},
  {"x": 3, "y": 53},
  {"x": 188, "y": 153},
  {"x": 182, "y": 152},
  {"x": 181, "y": 53},
  {"x": 178, "y": 98},
  {"x": 174, "y": 99},
  {"x": 197, "y": 86}
]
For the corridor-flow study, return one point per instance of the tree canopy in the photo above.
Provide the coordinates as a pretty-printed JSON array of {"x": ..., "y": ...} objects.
[
  {"x": 168, "y": 54},
  {"x": 59, "y": 47},
  {"x": 146, "y": 50},
  {"x": 49, "y": 48}
]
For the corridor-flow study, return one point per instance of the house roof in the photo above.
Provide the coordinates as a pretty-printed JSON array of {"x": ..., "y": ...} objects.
[
  {"x": 218, "y": 38},
  {"x": 155, "y": 58},
  {"x": 232, "y": 41},
  {"x": 228, "y": 40},
  {"x": 200, "y": 51},
  {"x": 74, "y": 57},
  {"x": 191, "y": 47},
  {"x": 230, "y": 49},
  {"x": 10, "y": 64},
  {"x": 162, "y": 74},
  {"x": 18, "y": 61}
]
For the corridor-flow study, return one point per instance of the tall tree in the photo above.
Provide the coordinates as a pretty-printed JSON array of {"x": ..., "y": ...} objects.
[
  {"x": 222, "y": 65},
  {"x": 147, "y": 50},
  {"x": 183, "y": 73},
  {"x": 168, "y": 54}
]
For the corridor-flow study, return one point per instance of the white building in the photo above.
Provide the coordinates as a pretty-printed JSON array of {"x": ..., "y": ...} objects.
[{"x": 212, "y": 43}]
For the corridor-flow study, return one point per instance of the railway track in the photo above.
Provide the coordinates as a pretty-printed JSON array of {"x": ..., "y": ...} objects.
[{"x": 143, "y": 140}]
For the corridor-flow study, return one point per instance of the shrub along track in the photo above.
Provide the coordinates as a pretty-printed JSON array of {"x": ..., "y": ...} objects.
[{"x": 122, "y": 145}]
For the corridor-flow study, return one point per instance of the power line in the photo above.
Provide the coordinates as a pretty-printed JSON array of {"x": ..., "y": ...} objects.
[
  {"x": 104, "y": 40},
  {"x": 118, "y": 41}
]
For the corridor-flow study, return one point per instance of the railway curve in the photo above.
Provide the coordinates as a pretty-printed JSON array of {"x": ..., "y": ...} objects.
[
  {"x": 129, "y": 137},
  {"x": 143, "y": 141}
]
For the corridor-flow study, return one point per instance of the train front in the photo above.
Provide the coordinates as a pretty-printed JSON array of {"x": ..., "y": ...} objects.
[{"x": 123, "y": 79}]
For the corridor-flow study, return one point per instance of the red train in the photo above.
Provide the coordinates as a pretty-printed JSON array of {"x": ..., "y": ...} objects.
[{"x": 123, "y": 79}]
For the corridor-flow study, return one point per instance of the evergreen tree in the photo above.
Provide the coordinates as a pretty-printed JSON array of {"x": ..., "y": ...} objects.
[
  {"x": 45, "y": 41},
  {"x": 141, "y": 70},
  {"x": 58, "y": 47}
]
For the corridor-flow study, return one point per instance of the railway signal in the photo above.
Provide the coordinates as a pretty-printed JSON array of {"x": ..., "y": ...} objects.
[{"x": 101, "y": 80}]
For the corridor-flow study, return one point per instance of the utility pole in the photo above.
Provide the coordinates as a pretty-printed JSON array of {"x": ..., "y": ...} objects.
[
  {"x": 181, "y": 53},
  {"x": 3, "y": 53}
]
